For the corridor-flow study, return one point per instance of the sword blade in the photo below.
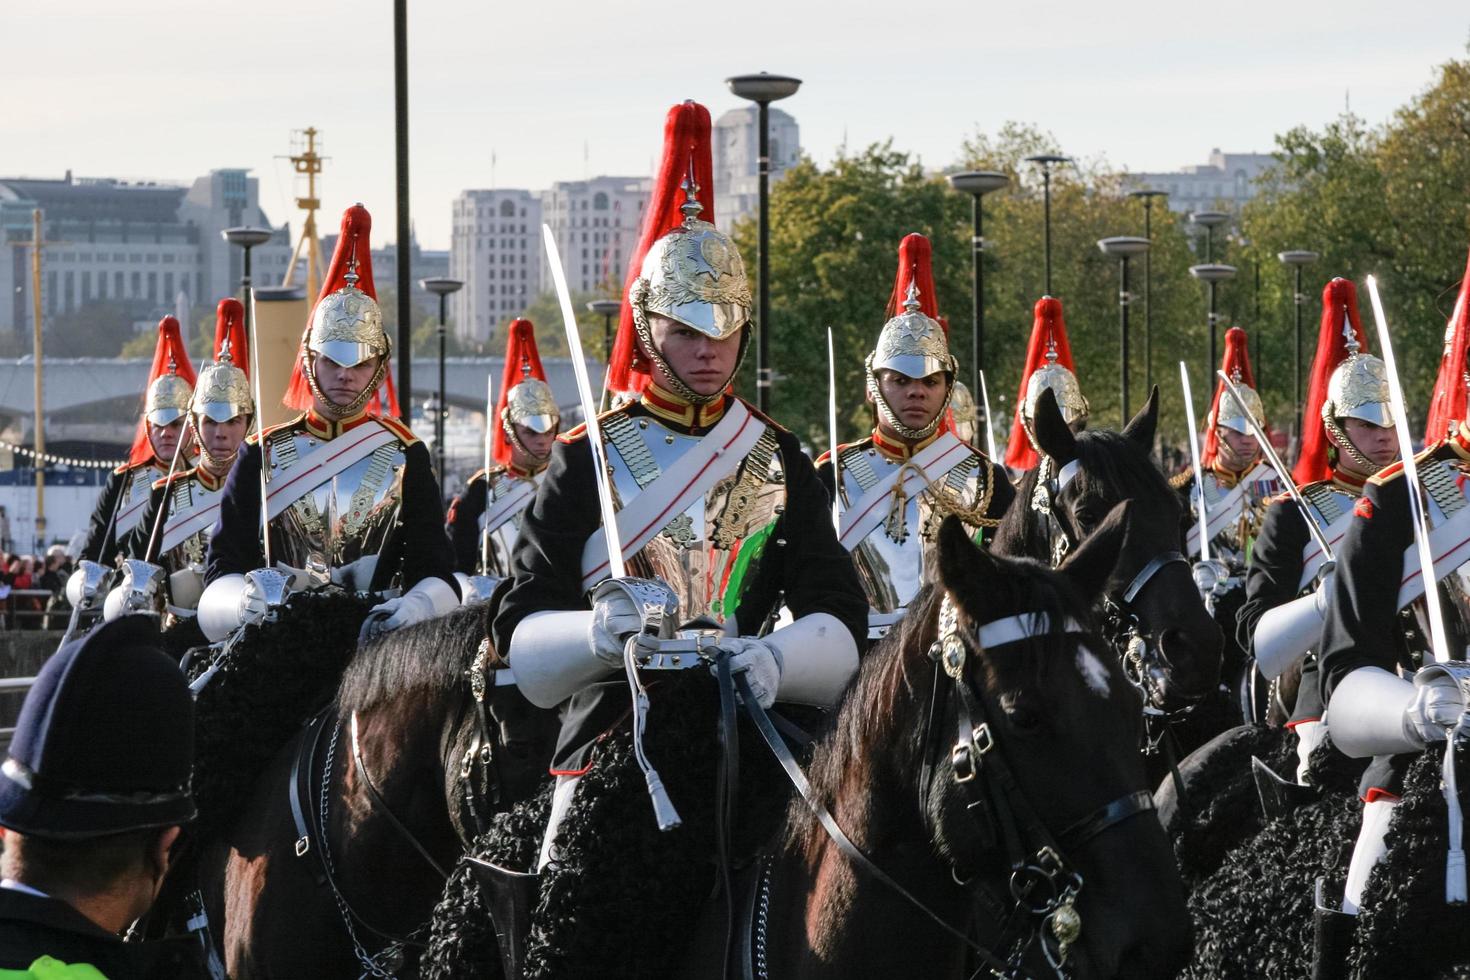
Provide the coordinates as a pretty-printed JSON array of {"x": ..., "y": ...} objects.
[
  {"x": 1269, "y": 451},
  {"x": 832, "y": 435},
  {"x": 490, "y": 422},
  {"x": 1437, "y": 639},
  {"x": 615, "y": 563},
  {"x": 254, "y": 341},
  {"x": 989, "y": 426},
  {"x": 1199, "y": 476}
]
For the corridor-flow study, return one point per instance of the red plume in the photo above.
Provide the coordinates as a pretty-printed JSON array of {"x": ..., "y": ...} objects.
[
  {"x": 1048, "y": 327},
  {"x": 169, "y": 354},
  {"x": 1339, "y": 300},
  {"x": 686, "y": 140},
  {"x": 1236, "y": 361},
  {"x": 522, "y": 360},
  {"x": 354, "y": 242},
  {"x": 1447, "y": 405},
  {"x": 229, "y": 324},
  {"x": 916, "y": 265}
]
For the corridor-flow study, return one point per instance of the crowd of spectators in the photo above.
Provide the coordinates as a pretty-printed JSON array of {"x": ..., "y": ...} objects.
[{"x": 22, "y": 576}]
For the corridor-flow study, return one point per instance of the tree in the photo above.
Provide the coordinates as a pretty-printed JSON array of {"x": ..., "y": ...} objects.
[{"x": 1388, "y": 201}]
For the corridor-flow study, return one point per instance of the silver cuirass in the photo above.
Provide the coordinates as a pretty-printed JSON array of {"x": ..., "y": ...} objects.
[
  {"x": 187, "y": 498},
  {"x": 507, "y": 524},
  {"x": 706, "y": 551},
  {"x": 892, "y": 560},
  {"x": 133, "y": 503},
  {"x": 1232, "y": 543},
  {"x": 342, "y": 518},
  {"x": 1447, "y": 486}
]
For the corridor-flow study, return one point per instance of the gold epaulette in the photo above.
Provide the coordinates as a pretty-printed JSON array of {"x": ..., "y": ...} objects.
[
  {"x": 254, "y": 437},
  {"x": 1181, "y": 480},
  {"x": 396, "y": 427}
]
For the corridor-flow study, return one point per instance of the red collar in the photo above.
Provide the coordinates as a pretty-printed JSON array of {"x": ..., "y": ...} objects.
[
  {"x": 1343, "y": 480},
  {"x": 325, "y": 428},
  {"x": 671, "y": 408},
  {"x": 206, "y": 479},
  {"x": 522, "y": 474},
  {"x": 897, "y": 449}
]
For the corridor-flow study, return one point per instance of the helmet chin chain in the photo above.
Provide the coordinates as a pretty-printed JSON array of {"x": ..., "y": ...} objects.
[
  {"x": 636, "y": 297},
  {"x": 1346, "y": 445},
  {"x": 332, "y": 409},
  {"x": 208, "y": 459},
  {"x": 886, "y": 411}
]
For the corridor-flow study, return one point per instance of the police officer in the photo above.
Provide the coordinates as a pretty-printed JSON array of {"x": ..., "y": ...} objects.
[
  {"x": 526, "y": 424},
  {"x": 351, "y": 493},
  {"x": 92, "y": 797},
  {"x": 220, "y": 413},
  {"x": 912, "y": 470}
]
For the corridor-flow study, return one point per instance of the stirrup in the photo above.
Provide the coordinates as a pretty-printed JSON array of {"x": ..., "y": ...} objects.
[
  {"x": 1279, "y": 796},
  {"x": 511, "y": 897}
]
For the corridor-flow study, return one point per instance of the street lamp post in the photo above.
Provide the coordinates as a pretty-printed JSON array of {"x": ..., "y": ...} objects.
[
  {"x": 1209, "y": 221},
  {"x": 607, "y": 309},
  {"x": 1147, "y": 197},
  {"x": 247, "y": 238},
  {"x": 978, "y": 183},
  {"x": 1123, "y": 247},
  {"x": 1297, "y": 259},
  {"x": 1212, "y": 274},
  {"x": 1046, "y": 161},
  {"x": 443, "y": 288},
  {"x": 763, "y": 89}
]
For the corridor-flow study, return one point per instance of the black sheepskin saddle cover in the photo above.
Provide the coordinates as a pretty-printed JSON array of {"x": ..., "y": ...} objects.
[
  {"x": 622, "y": 896},
  {"x": 276, "y": 677},
  {"x": 1253, "y": 916}
]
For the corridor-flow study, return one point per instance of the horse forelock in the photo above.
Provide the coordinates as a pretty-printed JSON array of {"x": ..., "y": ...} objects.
[
  {"x": 424, "y": 660},
  {"x": 1111, "y": 467}
]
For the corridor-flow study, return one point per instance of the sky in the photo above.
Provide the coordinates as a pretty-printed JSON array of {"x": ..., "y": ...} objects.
[{"x": 566, "y": 89}]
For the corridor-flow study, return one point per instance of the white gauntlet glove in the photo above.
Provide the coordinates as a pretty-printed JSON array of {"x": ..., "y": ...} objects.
[
  {"x": 1436, "y": 708},
  {"x": 431, "y": 597},
  {"x": 614, "y": 619},
  {"x": 759, "y": 661}
]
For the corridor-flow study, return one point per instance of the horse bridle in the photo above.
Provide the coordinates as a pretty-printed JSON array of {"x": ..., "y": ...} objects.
[
  {"x": 1122, "y": 627},
  {"x": 1043, "y": 884}
]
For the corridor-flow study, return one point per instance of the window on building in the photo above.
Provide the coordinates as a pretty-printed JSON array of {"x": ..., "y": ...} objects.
[
  {"x": 599, "y": 201},
  {"x": 168, "y": 258},
  {"x": 507, "y": 209},
  {"x": 87, "y": 286},
  {"x": 51, "y": 293},
  {"x": 101, "y": 285},
  {"x": 168, "y": 285},
  {"x": 137, "y": 292},
  {"x": 152, "y": 293}
]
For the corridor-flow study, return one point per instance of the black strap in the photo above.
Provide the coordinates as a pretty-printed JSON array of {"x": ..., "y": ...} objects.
[
  {"x": 1106, "y": 816},
  {"x": 298, "y": 787},
  {"x": 829, "y": 823},
  {"x": 727, "y": 782},
  {"x": 377, "y": 801}
]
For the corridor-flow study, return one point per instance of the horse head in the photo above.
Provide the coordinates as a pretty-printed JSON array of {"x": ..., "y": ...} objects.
[
  {"x": 1052, "y": 795},
  {"x": 1150, "y": 607}
]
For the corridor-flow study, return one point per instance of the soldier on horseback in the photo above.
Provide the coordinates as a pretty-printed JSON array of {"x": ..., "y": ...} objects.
[
  {"x": 174, "y": 530},
  {"x": 912, "y": 470},
  {"x": 1381, "y": 625},
  {"x": 120, "y": 508},
  {"x": 350, "y": 495},
  {"x": 714, "y": 499},
  {"x": 525, "y": 426},
  {"x": 1348, "y": 437},
  {"x": 1048, "y": 368}
]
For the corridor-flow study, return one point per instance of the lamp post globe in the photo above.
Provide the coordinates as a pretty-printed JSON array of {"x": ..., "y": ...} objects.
[{"x": 1212, "y": 274}]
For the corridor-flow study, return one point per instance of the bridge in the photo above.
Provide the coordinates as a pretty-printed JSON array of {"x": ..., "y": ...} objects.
[{"x": 88, "y": 383}]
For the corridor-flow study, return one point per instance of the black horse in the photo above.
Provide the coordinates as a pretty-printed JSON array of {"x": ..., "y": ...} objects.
[
  {"x": 1149, "y": 607},
  {"x": 417, "y": 751},
  {"x": 1038, "y": 811}
]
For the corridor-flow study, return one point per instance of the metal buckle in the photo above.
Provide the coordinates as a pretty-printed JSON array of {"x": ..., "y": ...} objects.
[
  {"x": 303, "y": 844},
  {"x": 981, "y": 738},
  {"x": 963, "y": 763}
]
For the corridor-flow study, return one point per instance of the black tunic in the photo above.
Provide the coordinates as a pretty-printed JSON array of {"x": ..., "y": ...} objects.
[
  {"x": 1272, "y": 580},
  {"x": 802, "y": 566},
  {"x": 417, "y": 545},
  {"x": 32, "y": 927},
  {"x": 101, "y": 545},
  {"x": 463, "y": 524}
]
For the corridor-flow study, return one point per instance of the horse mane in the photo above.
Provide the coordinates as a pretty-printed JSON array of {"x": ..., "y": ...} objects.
[
  {"x": 1113, "y": 467},
  {"x": 878, "y": 734},
  {"x": 424, "y": 660}
]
